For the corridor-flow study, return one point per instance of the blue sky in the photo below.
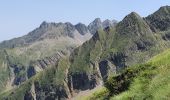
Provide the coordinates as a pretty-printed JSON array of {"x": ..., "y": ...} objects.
[{"x": 18, "y": 17}]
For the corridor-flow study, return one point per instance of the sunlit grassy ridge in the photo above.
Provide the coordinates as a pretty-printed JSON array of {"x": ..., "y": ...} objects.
[{"x": 150, "y": 81}]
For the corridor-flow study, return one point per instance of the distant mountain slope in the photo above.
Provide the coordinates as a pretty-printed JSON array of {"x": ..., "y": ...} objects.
[
  {"x": 23, "y": 57},
  {"x": 98, "y": 24},
  {"x": 46, "y": 31},
  {"x": 110, "y": 50},
  {"x": 79, "y": 32}
]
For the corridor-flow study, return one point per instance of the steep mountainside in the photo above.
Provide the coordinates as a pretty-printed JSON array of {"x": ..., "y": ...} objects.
[
  {"x": 149, "y": 81},
  {"x": 111, "y": 49},
  {"x": 23, "y": 57}
]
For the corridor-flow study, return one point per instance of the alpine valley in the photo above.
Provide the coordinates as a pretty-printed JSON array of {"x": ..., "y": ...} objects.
[{"x": 106, "y": 60}]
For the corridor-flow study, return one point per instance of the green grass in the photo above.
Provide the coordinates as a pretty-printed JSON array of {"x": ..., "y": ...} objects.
[
  {"x": 4, "y": 70},
  {"x": 150, "y": 81},
  {"x": 100, "y": 94},
  {"x": 17, "y": 93}
]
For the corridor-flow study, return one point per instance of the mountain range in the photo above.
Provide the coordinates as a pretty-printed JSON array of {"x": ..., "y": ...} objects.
[{"x": 60, "y": 60}]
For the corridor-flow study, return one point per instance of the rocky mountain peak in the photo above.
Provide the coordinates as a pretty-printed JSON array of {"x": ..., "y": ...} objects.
[
  {"x": 82, "y": 28},
  {"x": 131, "y": 19},
  {"x": 69, "y": 24},
  {"x": 133, "y": 24},
  {"x": 97, "y": 20},
  {"x": 114, "y": 21},
  {"x": 107, "y": 23},
  {"x": 163, "y": 12},
  {"x": 165, "y": 9},
  {"x": 98, "y": 24},
  {"x": 95, "y": 25},
  {"x": 160, "y": 20},
  {"x": 133, "y": 16},
  {"x": 44, "y": 23}
]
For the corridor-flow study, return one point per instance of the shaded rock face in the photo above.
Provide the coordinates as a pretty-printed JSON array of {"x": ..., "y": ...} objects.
[
  {"x": 69, "y": 30},
  {"x": 106, "y": 68},
  {"x": 28, "y": 96},
  {"x": 31, "y": 71},
  {"x": 143, "y": 45},
  {"x": 82, "y": 81},
  {"x": 19, "y": 78},
  {"x": 50, "y": 92},
  {"x": 119, "y": 60},
  {"x": 82, "y": 28},
  {"x": 39, "y": 65},
  {"x": 47, "y": 92},
  {"x": 95, "y": 25},
  {"x": 166, "y": 36}
]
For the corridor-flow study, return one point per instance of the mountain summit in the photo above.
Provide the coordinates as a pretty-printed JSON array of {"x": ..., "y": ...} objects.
[
  {"x": 160, "y": 20},
  {"x": 134, "y": 25},
  {"x": 98, "y": 24}
]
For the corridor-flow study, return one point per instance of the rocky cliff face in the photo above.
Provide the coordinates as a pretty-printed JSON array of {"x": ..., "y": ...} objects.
[
  {"x": 106, "y": 69},
  {"x": 40, "y": 65}
]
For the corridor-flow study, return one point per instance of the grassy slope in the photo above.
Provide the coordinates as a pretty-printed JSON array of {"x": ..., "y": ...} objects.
[
  {"x": 39, "y": 50},
  {"x": 4, "y": 70},
  {"x": 150, "y": 81}
]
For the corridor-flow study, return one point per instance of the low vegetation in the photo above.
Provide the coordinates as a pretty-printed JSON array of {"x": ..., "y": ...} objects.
[{"x": 148, "y": 81}]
